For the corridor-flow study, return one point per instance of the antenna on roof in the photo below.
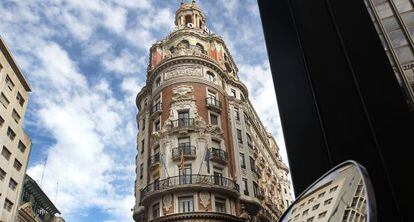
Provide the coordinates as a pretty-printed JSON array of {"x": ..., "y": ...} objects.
[
  {"x": 43, "y": 172},
  {"x": 57, "y": 189}
]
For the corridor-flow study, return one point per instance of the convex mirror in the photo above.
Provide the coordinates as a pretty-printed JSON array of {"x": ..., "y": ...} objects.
[{"x": 344, "y": 194}]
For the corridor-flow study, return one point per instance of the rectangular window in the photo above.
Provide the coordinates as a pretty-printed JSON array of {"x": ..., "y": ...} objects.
[
  {"x": 328, "y": 201},
  {"x": 156, "y": 210},
  {"x": 310, "y": 219},
  {"x": 315, "y": 207},
  {"x": 142, "y": 146},
  {"x": 17, "y": 165},
  {"x": 8, "y": 205},
  {"x": 213, "y": 119},
  {"x": 305, "y": 212},
  {"x": 333, "y": 189},
  {"x": 239, "y": 136},
  {"x": 233, "y": 93},
  {"x": 185, "y": 204},
  {"x": 2, "y": 174},
  {"x": 21, "y": 146},
  {"x": 143, "y": 124},
  {"x": 242, "y": 161},
  {"x": 185, "y": 176},
  {"x": 158, "y": 82},
  {"x": 321, "y": 215},
  {"x": 252, "y": 164},
  {"x": 255, "y": 189},
  {"x": 157, "y": 125},
  {"x": 16, "y": 116},
  {"x": 183, "y": 118},
  {"x": 215, "y": 144},
  {"x": 5, "y": 153},
  {"x": 12, "y": 184},
  {"x": 1, "y": 121},
  {"x": 245, "y": 187},
  {"x": 218, "y": 176},
  {"x": 211, "y": 76},
  {"x": 321, "y": 195},
  {"x": 184, "y": 142},
  {"x": 9, "y": 83},
  {"x": 20, "y": 98},
  {"x": 11, "y": 134},
  {"x": 249, "y": 141},
  {"x": 220, "y": 205},
  {"x": 141, "y": 171},
  {"x": 236, "y": 113},
  {"x": 4, "y": 101}
]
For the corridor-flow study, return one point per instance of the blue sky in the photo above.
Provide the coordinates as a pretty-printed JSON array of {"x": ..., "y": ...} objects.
[{"x": 85, "y": 62}]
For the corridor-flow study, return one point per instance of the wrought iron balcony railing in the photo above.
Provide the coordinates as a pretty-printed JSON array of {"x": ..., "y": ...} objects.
[
  {"x": 218, "y": 155},
  {"x": 182, "y": 123},
  {"x": 191, "y": 179},
  {"x": 214, "y": 103},
  {"x": 156, "y": 108},
  {"x": 186, "y": 150}
]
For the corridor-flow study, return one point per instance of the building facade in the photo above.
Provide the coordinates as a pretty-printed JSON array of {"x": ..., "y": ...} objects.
[
  {"x": 15, "y": 144},
  {"x": 35, "y": 205},
  {"x": 394, "y": 22},
  {"x": 203, "y": 153}
]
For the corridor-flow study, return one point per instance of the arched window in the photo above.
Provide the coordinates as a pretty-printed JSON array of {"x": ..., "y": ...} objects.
[
  {"x": 188, "y": 19},
  {"x": 184, "y": 44},
  {"x": 172, "y": 49},
  {"x": 228, "y": 67},
  {"x": 158, "y": 82},
  {"x": 200, "y": 47}
]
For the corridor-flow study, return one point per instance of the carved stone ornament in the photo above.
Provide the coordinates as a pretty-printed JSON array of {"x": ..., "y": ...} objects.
[
  {"x": 183, "y": 71},
  {"x": 167, "y": 202},
  {"x": 214, "y": 130},
  {"x": 204, "y": 199},
  {"x": 182, "y": 92}
]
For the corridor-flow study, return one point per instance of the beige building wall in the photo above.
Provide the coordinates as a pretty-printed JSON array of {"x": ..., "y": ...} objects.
[{"x": 15, "y": 144}]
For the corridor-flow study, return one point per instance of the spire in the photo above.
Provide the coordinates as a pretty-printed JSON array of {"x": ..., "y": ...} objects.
[{"x": 190, "y": 15}]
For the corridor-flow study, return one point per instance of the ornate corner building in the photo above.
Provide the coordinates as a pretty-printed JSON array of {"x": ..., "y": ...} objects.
[{"x": 203, "y": 153}]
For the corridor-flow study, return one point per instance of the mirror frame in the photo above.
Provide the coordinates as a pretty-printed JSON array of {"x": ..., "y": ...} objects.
[{"x": 369, "y": 191}]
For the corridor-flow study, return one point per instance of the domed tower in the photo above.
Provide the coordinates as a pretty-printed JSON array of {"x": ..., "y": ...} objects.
[{"x": 199, "y": 136}]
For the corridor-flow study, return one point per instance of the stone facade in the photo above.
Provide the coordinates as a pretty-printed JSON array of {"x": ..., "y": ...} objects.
[
  {"x": 15, "y": 144},
  {"x": 203, "y": 153}
]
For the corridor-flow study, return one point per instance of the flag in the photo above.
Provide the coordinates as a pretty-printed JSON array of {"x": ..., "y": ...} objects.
[
  {"x": 182, "y": 161},
  {"x": 160, "y": 165},
  {"x": 207, "y": 159}
]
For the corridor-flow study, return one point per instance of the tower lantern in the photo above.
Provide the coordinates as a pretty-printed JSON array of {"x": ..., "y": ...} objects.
[{"x": 190, "y": 15}]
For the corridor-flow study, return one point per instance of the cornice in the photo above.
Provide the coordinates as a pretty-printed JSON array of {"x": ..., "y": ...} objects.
[
  {"x": 199, "y": 215},
  {"x": 191, "y": 32},
  {"x": 186, "y": 59}
]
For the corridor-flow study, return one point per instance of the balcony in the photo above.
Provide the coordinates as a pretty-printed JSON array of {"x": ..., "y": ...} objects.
[
  {"x": 259, "y": 193},
  {"x": 213, "y": 103},
  {"x": 156, "y": 109},
  {"x": 155, "y": 161},
  {"x": 183, "y": 124},
  {"x": 218, "y": 155},
  {"x": 186, "y": 150},
  {"x": 189, "y": 182}
]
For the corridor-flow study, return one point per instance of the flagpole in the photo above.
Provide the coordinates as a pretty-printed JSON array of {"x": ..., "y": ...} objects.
[{"x": 202, "y": 161}]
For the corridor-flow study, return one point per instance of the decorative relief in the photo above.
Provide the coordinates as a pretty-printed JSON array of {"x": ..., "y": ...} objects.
[
  {"x": 183, "y": 71},
  {"x": 204, "y": 199},
  {"x": 214, "y": 130},
  {"x": 167, "y": 203},
  {"x": 182, "y": 92}
]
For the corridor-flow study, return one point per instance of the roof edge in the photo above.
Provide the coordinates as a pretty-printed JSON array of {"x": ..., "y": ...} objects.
[{"x": 7, "y": 53}]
